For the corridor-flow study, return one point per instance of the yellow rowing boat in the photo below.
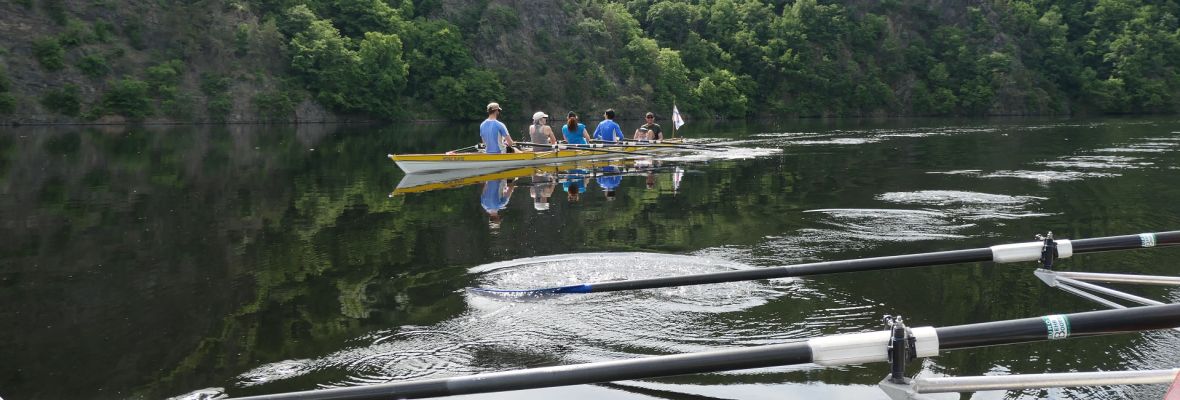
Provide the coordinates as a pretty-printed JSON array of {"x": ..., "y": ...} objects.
[{"x": 418, "y": 163}]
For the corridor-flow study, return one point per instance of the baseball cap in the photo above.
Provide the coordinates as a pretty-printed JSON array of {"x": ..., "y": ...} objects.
[{"x": 494, "y": 106}]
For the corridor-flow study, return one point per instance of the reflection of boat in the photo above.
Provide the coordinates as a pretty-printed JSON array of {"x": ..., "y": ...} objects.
[
  {"x": 414, "y": 163},
  {"x": 446, "y": 179}
]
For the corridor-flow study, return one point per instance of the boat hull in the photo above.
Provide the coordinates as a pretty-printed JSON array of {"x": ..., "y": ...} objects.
[{"x": 418, "y": 163}]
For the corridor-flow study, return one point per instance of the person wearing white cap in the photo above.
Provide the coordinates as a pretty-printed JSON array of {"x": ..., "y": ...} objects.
[
  {"x": 540, "y": 132},
  {"x": 493, "y": 132}
]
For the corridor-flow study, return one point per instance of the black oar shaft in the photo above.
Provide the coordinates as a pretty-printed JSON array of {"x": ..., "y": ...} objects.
[
  {"x": 1126, "y": 242},
  {"x": 1004, "y": 253},
  {"x": 1084, "y": 324},
  {"x": 829, "y": 350},
  {"x": 679, "y": 364}
]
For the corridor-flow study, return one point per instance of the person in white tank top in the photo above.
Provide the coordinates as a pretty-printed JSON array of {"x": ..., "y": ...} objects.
[{"x": 540, "y": 132}]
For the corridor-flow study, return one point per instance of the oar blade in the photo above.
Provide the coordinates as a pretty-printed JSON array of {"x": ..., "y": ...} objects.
[{"x": 580, "y": 288}]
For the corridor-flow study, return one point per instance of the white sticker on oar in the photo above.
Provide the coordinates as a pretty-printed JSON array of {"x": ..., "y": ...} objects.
[
  {"x": 1057, "y": 326},
  {"x": 1147, "y": 239}
]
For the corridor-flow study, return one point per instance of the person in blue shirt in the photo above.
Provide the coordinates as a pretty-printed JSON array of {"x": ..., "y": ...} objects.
[
  {"x": 608, "y": 130},
  {"x": 574, "y": 131},
  {"x": 493, "y": 132},
  {"x": 610, "y": 181}
]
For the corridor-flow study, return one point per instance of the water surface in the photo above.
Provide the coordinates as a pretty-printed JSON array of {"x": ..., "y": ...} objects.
[{"x": 181, "y": 261}]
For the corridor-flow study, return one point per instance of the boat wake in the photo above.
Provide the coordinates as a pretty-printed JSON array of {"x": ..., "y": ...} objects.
[{"x": 1098, "y": 163}]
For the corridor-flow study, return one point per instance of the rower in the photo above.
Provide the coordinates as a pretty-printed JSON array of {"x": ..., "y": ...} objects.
[
  {"x": 574, "y": 131},
  {"x": 540, "y": 132},
  {"x": 608, "y": 130},
  {"x": 493, "y": 132}
]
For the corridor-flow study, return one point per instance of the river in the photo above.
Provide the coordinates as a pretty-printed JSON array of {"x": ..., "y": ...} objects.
[{"x": 153, "y": 262}]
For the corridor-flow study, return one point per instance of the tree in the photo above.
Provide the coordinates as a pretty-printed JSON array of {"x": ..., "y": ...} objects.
[{"x": 382, "y": 73}]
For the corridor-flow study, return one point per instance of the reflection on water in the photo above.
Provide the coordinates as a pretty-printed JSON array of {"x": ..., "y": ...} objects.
[{"x": 147, "y": 263}]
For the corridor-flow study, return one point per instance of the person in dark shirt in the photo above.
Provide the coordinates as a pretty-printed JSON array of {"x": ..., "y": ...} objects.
[{"x": 650, "y": 129}]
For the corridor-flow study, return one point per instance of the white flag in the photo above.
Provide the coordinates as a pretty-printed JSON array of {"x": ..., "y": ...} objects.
[{"x": 676, "y": 120}]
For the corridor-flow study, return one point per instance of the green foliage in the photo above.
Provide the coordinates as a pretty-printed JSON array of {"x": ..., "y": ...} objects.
[
  {"x": 382, "y": 74},
  {"x": 133, "y": 31},
  {"x": 498, "y": 19},
  {"x": 128, "y": 97},
  {"x": 103, "y": 31},
  {"x": 49, "y": 53},
  {"x": 163, "y": 78},
  {"x": 94, "y": 66},
  {"x": 178, "y": 105},
  {"x": 7, "y": 103},
  {"x": 7, "y": 100},
  {"x": 277, "y": 105},
  {"x": 670, "y": 21},
  {"x": 56, "y": 10},
  {"x": 75, "y": 34},
  {"x": 354, "y": 18},
  {"x": 219, "y": 104},
  {"x": 721, "y": 94},
  {"x": 322, "y": 58},
  {"x": 465, "y": 96},
  {"x": 5, "y": 82},
  {"x": 242, "y": 39},
  {"x": 64, "y": 101},
  {"x": 731, "y": 58}
]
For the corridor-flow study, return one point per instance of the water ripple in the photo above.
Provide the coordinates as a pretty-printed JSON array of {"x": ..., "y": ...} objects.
[
  {"x": 499, "y": 333},
  {"x": 972, "y": 206},
  {"x": 888, "y": 225},
  {"x": 1097, "y": 162}
]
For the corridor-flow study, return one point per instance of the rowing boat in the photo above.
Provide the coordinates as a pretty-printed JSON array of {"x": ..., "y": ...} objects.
[{"x": 418, "y": 163}]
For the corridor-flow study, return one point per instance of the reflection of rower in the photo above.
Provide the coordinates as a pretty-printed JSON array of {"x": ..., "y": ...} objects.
[
  {"x": 542, "y": 189},
  {"x": 574, "y": 183},
  {"x": 610, "y": 181},
  {"x": 494, "y": 198}
]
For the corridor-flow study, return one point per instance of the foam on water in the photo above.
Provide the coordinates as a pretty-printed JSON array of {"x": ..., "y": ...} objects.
[
  {"x": 731, "y": 153},
  {"x": 887, "y": 225},
  {"x": 970, "y": 206},
  {"x": 837, "y": 141},
  {"x": 1049, "y": 176},
  {"x": 1097, "y": 162}
]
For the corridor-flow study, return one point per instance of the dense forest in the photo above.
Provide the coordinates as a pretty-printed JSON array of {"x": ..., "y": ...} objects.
[{"x": 313, "y": 60}]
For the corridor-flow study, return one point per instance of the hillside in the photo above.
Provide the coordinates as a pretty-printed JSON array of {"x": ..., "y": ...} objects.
[{"x": 328, "y": 60}]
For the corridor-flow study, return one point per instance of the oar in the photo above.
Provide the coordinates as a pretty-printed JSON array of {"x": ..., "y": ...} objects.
[
  {"x": 832, "y": 350},
  {"x": 580, "y": 147},
  {"x": 1001, "y": 254},
  {"x": 657, "y": 143},
  {"x": 471, "y": 147}
]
